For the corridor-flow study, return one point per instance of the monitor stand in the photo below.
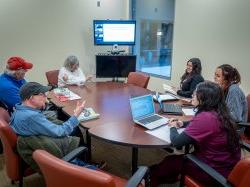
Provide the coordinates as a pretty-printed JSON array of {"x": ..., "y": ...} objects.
[{"x": 116, "y": 79}]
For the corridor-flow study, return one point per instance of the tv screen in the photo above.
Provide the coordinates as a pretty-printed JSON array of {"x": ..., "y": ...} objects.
[
  {"x": 114, "y": 66},
  {"x": 111, "y": 32}
]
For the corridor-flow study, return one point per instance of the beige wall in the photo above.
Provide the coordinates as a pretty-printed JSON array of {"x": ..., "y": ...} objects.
[
  {"x": 216, "y": 31},
  {"x": 46, "y": 31}
]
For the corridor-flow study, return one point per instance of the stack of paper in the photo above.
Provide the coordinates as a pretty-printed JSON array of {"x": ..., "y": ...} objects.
[
  {"x": 165, "y": 97},
  {"x": 169, "y": 89},
  {"x": 163, "y": 133},
  {"x": 188, "y": 111},
  {"x": 64, "y": 94}
]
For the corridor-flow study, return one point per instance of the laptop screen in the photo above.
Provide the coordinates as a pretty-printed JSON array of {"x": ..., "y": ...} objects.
[{"x": 142, "y": 106}]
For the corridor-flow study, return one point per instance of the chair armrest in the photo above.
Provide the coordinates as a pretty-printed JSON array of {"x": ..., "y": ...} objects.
[
  {"x": 207, "y": 169},
  {"x": 141, "y": 173},
  {"x": 73, "y": 154},
  {"x": 245, "y": 145},
  {"x": 242, "y": 124}
]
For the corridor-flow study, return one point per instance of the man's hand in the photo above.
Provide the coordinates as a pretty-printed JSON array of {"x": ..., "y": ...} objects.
[{"x": 79, "y": 108}]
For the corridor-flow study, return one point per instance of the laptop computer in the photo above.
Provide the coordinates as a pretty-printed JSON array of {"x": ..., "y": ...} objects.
[
  {"x": 143, "y": 112},
  {"x": 169, "y": 108}
]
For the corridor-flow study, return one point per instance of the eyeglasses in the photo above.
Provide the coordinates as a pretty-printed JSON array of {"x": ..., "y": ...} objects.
[{"x": 43, "y": 94}]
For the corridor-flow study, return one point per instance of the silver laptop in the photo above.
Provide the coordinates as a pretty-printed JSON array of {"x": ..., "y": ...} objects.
[{"x": 143, "y": 112}]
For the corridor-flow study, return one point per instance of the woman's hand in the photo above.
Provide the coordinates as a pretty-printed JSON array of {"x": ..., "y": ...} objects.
[
  {"x": 89, "y": 78},
  {"x": 173, "y": 122},
  {"x": 65, "y": 77},
  {"x": 175, "y": 88},
  {"x": 79, "y": 108},
  {"x": 187, "y": 100}
]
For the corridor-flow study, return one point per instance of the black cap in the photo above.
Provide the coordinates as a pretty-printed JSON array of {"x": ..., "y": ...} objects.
[{"x": 32, "y": 88}]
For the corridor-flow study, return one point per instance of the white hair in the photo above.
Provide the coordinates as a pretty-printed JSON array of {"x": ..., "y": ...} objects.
[{"x": 70, "y": 61}]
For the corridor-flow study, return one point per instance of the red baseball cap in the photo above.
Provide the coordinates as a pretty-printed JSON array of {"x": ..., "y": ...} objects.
[{"x": 16, "y": 63}]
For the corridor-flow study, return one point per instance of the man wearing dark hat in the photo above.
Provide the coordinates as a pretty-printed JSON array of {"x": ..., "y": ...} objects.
[
  {"x": 28, "y": 120},
  {"x": 35, "y": 131},
  {"x": 12, "y": 79}
]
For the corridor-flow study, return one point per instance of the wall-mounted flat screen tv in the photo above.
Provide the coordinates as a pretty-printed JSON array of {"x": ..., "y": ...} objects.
[{"x": 114, "y": 32}]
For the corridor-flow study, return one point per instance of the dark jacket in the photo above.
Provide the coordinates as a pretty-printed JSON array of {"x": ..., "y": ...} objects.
[{"x": 189, "y": 85}]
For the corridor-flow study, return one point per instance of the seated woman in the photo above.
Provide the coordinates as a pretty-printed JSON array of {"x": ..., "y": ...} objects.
[
  {"x": 229, "y": 79},
  {"x": 190, "y": 78},
  {"x": 71, "y": 74},
  {"x": 212, "y": 133}
]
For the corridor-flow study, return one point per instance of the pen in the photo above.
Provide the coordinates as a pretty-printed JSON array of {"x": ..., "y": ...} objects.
[{"x": 172, "y": 120}]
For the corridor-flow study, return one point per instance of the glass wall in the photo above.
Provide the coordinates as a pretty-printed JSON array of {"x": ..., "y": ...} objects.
[{"x": 154, "y": 36}]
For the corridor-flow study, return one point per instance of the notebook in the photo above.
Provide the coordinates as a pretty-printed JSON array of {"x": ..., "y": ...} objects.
[
  {"x": 88, "y": 114},
  {"x": 143, "y": 112}
]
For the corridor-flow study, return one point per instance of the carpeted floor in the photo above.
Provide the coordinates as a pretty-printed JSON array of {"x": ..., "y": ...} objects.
[{"x": 118, "y": 160}]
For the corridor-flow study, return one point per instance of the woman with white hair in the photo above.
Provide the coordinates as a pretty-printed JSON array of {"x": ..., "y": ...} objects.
[{"x": 71, "y": 74}]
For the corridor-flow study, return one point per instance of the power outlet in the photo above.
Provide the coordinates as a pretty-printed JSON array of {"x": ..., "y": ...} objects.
[{"x": 98, "y": 3}]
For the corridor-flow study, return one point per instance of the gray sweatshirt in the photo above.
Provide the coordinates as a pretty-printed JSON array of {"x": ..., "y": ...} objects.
[{"x": 237, "y": 103}]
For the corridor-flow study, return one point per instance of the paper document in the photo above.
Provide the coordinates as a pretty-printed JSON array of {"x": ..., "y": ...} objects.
[
  {"x": 163, "y": 133},
  {"x": 169, "y": 89},
  {"x": 165, "y": 97},
  {"x": 65, "y": 94},
  {"x": 188, "y": 111}
]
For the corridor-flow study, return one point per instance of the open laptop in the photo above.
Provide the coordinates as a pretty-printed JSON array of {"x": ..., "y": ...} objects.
[{"x": 143, "y": 112}]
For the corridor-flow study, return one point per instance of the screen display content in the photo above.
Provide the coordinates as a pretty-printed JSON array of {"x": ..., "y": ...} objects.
[{"x": 114, "y": 32}]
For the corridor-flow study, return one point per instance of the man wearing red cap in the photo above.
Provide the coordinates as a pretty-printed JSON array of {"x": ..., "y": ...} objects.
[{"x": 12, "y": 79}]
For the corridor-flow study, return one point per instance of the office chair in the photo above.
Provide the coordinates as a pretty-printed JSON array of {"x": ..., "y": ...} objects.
[
  {"x": 238, "y": 177},
  {"x": 16, "y": 168},
  {"x": 57, "y": 172},
  {"x": 246, "y": 135},
  {"x": 138, "y": 79},
  {"x": 52, "y": 77}
]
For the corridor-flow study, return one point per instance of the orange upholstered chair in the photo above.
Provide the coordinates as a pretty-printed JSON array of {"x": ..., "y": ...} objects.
[
  {"x": 138, "y": 79},
  {"x": 52, "y": 77},
  {"x": 238, "y": 177},
  {"x": 58, "y": 173},
  {"x": 15, "y": 166}
]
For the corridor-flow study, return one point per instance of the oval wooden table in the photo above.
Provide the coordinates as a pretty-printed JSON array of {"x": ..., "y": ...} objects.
[{"x": 115, "y": 124}]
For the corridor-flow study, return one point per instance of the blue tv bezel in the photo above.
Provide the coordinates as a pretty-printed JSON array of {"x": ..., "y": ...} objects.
[{"x": 113, "y": 22}]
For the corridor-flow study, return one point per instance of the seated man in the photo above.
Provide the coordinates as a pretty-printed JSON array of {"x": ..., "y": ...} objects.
[
  {"x": 12, "y": 79},
  {"x": 36, "y": 131}
]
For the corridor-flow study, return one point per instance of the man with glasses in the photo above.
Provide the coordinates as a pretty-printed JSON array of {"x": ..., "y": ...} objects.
[
  {"x": 28, "y": 118},
  {"x": 35, "y": 131}
]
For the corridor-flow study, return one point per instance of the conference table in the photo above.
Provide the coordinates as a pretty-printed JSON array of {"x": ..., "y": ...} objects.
[{"x": 115, "y": 124}]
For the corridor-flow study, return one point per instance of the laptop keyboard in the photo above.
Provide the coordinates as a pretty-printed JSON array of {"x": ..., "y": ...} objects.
[{"x": 150, "y": 119}]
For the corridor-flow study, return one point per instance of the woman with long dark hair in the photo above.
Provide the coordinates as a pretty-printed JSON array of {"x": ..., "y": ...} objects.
[
  {"x": 190, "y": 78},
  {"x": 229, "y": 79},
  {"x": 211, "y": 131}
]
